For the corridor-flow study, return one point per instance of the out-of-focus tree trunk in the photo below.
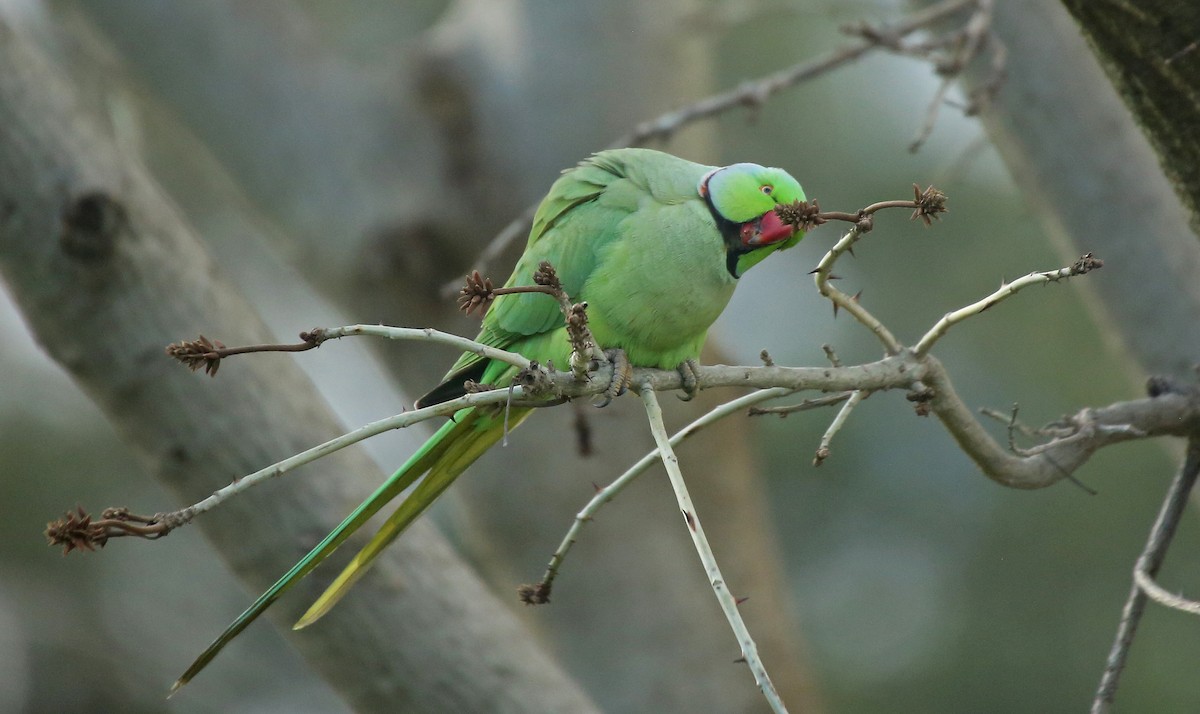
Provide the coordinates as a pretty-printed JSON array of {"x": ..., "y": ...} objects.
[
  {"x": 107, "y": 273},
  {"x": 1151, "y": 53},
  {"x": 388, "y": 163}
]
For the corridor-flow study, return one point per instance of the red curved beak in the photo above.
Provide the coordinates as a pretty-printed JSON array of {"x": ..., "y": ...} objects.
[{"x": 767, "y": 230}]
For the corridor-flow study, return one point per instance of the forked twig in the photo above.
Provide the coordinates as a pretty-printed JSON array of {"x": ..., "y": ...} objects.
[
  {"x": 1148, "y": 564},
  {"x": 836, "y": 425},
  {"x": 540, "y": 593}
]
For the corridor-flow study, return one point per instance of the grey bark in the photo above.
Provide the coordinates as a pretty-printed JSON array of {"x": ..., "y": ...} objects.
[{"x": 107, "y": 273}]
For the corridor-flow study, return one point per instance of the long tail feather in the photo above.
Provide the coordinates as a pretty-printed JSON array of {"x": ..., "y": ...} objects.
[
  {"x": 485, "y": 432},
  {"x": 419, "y": 463}
]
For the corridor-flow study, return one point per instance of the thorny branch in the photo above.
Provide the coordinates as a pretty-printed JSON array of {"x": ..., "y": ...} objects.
[
  {"x": 729, "y": 605},
  {"x": 926, "y": 205},
  {"x": 903, "y": 369},
  {"x": 950, "y": 54}
]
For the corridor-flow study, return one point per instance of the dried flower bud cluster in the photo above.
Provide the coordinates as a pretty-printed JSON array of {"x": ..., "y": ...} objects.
[
  {"x": 547, "y": 277},
  {"x": 1086, "y": 264},
  {"x": 802, "y": 215},
  {"x": 929, "y": 203},
  {"x": 75, "y": 531},
  {"x": 198, "y": 353},
  {"x": 477, "y": 294},
  {"x": 538, "y": 594}
]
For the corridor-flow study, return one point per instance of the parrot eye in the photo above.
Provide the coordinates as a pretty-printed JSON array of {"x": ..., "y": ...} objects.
[{"x": 767, "y": 190}]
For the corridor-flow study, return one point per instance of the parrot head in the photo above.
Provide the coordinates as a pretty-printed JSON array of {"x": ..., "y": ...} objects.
[{"x": 743, "y": 198}]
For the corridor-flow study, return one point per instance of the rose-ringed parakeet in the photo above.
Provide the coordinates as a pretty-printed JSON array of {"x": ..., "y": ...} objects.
[{"x": 653, "y": 243}]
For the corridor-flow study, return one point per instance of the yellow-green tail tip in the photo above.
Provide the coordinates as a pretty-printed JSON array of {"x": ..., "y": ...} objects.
[{"x": 307, "y": 620}]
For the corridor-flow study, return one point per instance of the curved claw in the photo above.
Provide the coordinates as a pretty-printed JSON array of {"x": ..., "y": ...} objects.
[
  {"x": 689, "y": 371},
  {"x": 622, "y": 376}
]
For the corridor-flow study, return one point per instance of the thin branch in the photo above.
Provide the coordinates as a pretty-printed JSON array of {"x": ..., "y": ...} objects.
[
  {"x": 1148, "y": 563},
  {"x": 969, "y": 43},
  {"x": 167, "y": 522},
  {"x": 478, "y": 294},
  {"x": 540, "y": 593},
  {"x": 802, "y": 406},
  {"x": 726, "y": 600},
  {"x": 1162, "y": 596},
  {"x": 931, "y": 114},
  {"x": 822, "y": 276},
  {"x": 1060, "y": 429},
  {"x": 1084, "y": 265},
  {"x": 1093, "y": 429},
  {"x": 756, "y": 92},
  {"x": 926, "y": 205},
  {"x": 209, "y": 353},
  {"x": 836, "y": 425}
]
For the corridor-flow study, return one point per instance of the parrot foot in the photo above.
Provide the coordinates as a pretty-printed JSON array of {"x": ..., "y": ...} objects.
[
  {"x": 689, "y": 372},
  {"x": 621, "y": 379}
]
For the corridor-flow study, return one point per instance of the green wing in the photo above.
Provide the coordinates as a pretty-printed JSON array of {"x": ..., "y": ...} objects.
[{"x": 579, "y": 216}]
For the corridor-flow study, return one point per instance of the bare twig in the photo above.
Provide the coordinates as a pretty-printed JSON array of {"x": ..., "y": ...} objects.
[
  {"x": 822, "y": 275},
  {"x": 1162, "y": 596},
  {"x": 836, "y": 425},
  {"x": 540, "y": 593},
  {"x": 1085, "y": 264},
  {"x": 1148, "y": 564},
  {"x": 169, "y": 521},
  {"x": 831, "y": 355},
  {"x": 802, "y": 406},
  {"x": 208, "y": 354},
  {"x": 1187, "y": 49},
  {"x": 478, "y": 294},
  {"x": 966, "y": 45},
  {"x": 696, "y": 530},
  {"x": 926, "y": 205},
  {"x": 755, "y": 93},
  {"x": 584, "y": 351}
]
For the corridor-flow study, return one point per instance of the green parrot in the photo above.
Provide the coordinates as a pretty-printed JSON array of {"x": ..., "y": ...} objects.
[{"x": 653, "y": 243}]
